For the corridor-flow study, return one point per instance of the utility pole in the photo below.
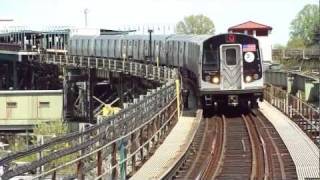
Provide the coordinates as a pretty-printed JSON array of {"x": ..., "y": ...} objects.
[
  {"x": 150, "y": 44},
  {"x": 86, "y": 17}
]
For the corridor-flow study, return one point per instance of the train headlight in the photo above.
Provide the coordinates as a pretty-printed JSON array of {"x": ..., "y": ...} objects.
[
  {"x": 255, "y": 76},
  {"x": 215, "y": 80},
  {"x": 248, "y": 79},
  {"x": 207, "y": 78}
]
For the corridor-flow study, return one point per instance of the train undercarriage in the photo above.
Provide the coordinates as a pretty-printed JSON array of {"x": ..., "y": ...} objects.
[{"x": 219, "y": 100}]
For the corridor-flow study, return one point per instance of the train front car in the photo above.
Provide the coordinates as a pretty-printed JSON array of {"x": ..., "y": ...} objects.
[{"x": 231, "y": 71}]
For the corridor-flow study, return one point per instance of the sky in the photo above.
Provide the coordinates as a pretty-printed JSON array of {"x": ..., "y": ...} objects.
[{"x": 123, "y": 13}]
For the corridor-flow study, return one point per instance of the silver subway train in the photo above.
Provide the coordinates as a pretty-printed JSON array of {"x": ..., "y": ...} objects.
[{"x": 224, "y": 69}]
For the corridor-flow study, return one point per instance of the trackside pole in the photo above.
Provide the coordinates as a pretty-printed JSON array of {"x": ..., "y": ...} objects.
[
  {"x": 157, "y": 61},
  {"x": 178, "y": 96}
]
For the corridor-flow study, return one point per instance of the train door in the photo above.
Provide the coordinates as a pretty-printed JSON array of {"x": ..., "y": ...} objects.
[
  {"x": 91, "y": 47},
  {"x": 176, "y": 53},
  {"x": 157, "y": 52},
  {"x": 141, "y": 50},
  {"x": 231, "y": 66},
  {"x": 170, "y": 57},
  {"x": 111, "y": 48},
  {"x": 181, "y": 54},
  {"x": 124, "y": 48},
  {"x": 105, "y": 48},
  {"x": 146, "y": 49},
  {"x": 135, "y": 49},
  {"x": 130, "y": 44},
  {"x": 97, "y": 48},
  {"x": 117, "y": 48}
]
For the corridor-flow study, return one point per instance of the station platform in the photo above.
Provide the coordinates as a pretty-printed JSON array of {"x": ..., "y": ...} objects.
[
  {"x": 304, "y": 152},
  {"x": 173, "y": 147}
]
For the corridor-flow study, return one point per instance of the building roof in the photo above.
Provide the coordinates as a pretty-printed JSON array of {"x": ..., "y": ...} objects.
[{"x": 250, "y": 25}]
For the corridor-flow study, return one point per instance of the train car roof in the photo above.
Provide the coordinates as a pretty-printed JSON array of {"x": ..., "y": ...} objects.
[
  {"x": 83, "y": 36},
  {"x": 198, "y": 39},
  {"x": 237, "y": 34}
]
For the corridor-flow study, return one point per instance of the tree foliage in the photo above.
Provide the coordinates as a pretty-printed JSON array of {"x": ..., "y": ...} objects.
[
  {"x": 54, "y": 128},
  {"x": 278, "y": 46},
  {"x": 195, "y": 24},
  {"x": 296, "y": 42},
  {"x": 48, "y": 130},
  {"x": 306, "y": 25}
]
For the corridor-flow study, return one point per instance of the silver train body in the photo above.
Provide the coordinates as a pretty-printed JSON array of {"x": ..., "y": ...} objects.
[{"x": 225, "y": 69}]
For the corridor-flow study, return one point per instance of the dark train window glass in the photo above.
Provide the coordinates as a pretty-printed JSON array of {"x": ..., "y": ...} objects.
[
  {"x": 44, "y": 104},
  {"x": 211, "y": 59},
  {"x": 231, "y": 57}
]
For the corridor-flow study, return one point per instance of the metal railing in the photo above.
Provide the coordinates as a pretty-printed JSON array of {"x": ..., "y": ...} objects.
[
  {"x": 149, "y": 118},
  {"x": 304, "y": 115},
  {"x": 148, "y": 71},
  {"x": 310, "y": 53},
  {"x": 10, "y": 47}
]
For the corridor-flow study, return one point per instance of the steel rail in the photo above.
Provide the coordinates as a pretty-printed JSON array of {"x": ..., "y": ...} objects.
[
  {"x": 281, "y": 163},
  {"x": 265, "y": 154},
  {"x": 254, "y": 163},
  {"x": 203, "y": 173},
  {"x": 223, "y": 147},
  {"x": 200, "y": 149},
  {"x": 212, "y": 164}
]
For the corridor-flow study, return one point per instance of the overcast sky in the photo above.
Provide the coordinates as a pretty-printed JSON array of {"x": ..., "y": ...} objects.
[{"x": 119, "y": 13}]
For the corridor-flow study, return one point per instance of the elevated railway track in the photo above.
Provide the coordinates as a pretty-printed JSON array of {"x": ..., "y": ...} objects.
[
  {"x": 245, "y": 146},
  {"x": 121, "y": 143},
  {"x": 94, "y": 152}
]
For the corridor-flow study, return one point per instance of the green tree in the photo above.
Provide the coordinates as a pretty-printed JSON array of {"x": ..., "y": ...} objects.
[
  {"x": 278, "y": 46},
  {"x": 54, "y": 128},
  {"x": 49, "y": 130},
  {"x": 195, "y": 24},
  {"x": 296, "y": 42},
  {"x": 306, "y": 24}
]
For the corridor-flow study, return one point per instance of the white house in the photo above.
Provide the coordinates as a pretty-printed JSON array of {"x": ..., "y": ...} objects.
[{"x": 261, "y": 32}]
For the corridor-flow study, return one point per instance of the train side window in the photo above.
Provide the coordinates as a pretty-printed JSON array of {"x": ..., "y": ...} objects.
[
  {"x": 231, "y": 57},
  {"x": 11, "y": 104},
  {"x": 43, "y": 104}
]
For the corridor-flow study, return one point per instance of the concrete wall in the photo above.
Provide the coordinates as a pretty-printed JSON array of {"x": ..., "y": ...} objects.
[
  {"x": 295, "y": 82},
  {"x": 30, "y": 107}
]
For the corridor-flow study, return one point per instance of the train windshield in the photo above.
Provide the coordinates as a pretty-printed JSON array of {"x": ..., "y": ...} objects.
[
  {"x": 231, "y": 57},
  {"x": 211, "y": 58}
]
